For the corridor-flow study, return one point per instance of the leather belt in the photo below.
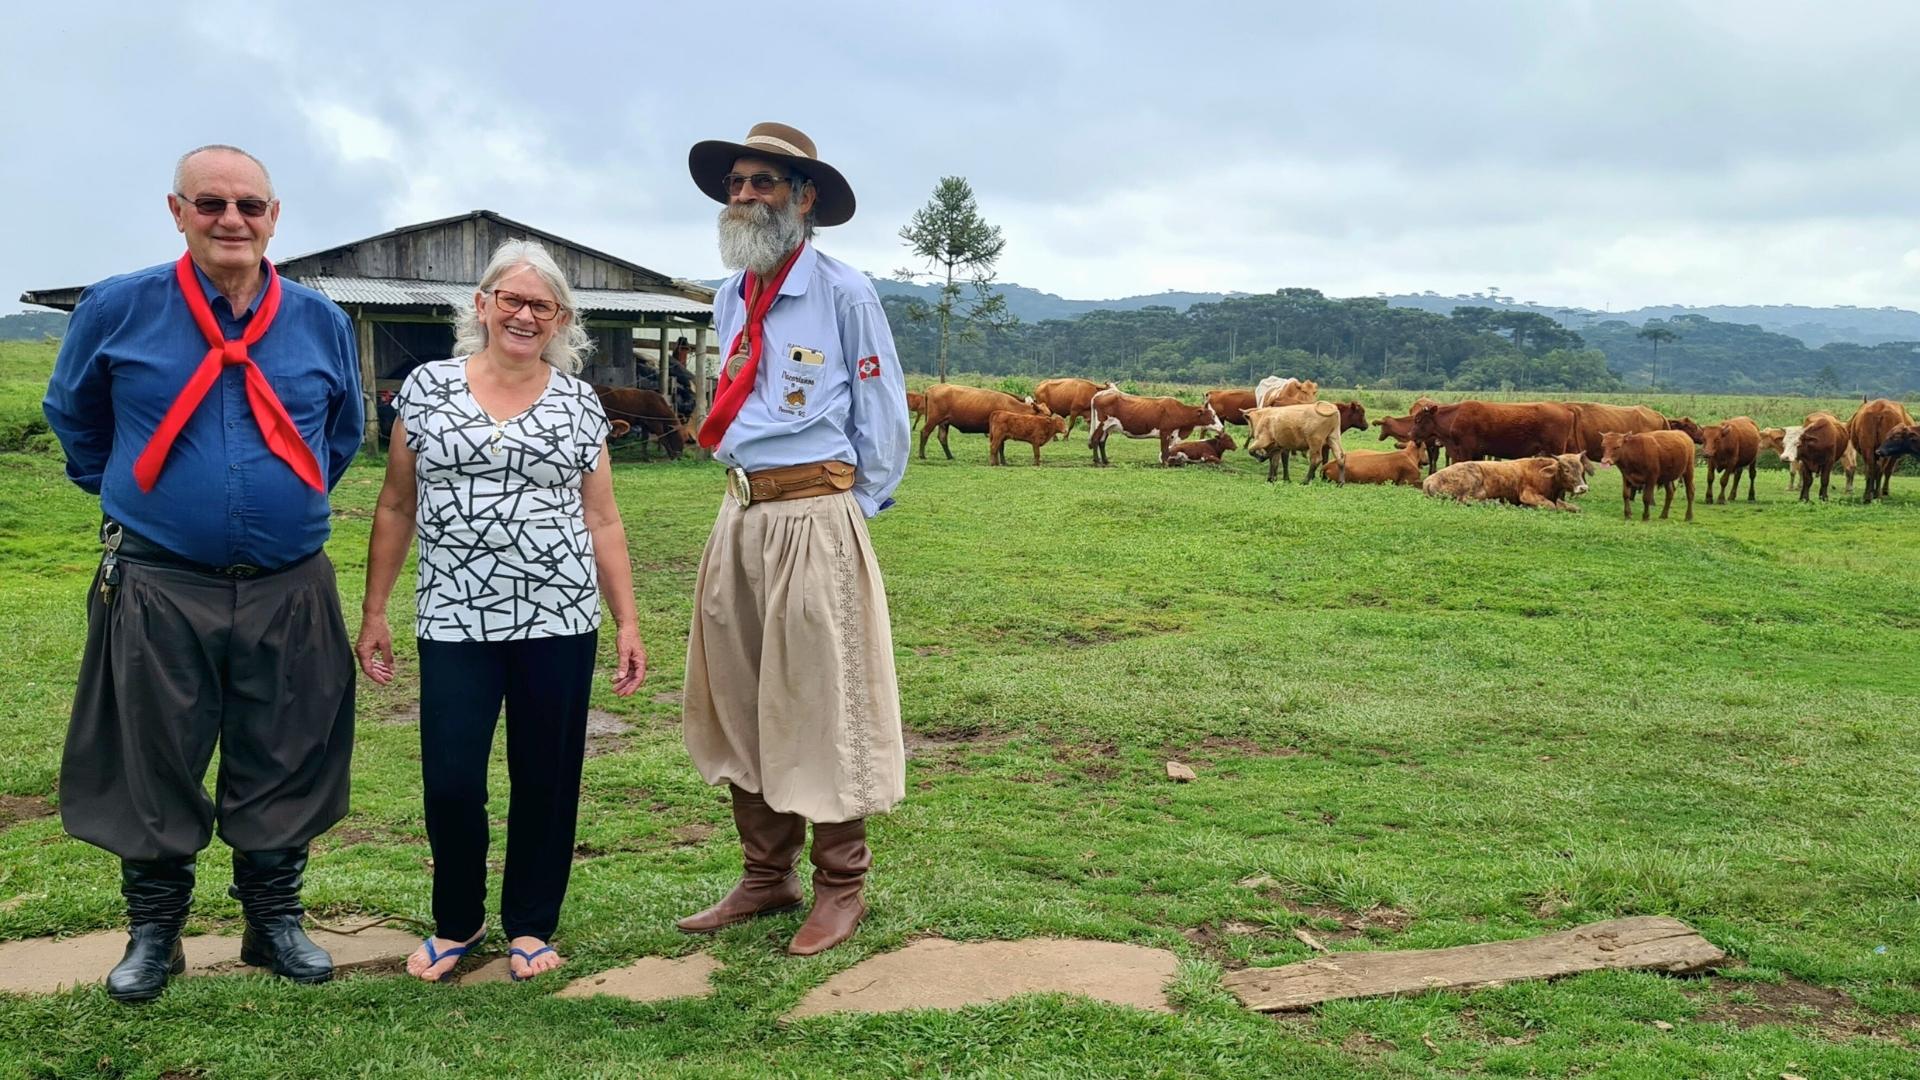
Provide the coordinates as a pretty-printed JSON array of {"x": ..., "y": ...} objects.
[
  {"x": 136, "y": 548},
  {"x": 789, "y": 482}
]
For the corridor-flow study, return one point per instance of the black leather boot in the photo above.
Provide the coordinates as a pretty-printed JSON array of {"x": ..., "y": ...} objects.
[
  {"x": 158, "y": 893},
  {"x": 267, "y": 884}
]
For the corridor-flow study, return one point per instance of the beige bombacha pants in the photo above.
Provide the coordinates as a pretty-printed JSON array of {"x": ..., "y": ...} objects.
[{"x": 790, "y": 687}]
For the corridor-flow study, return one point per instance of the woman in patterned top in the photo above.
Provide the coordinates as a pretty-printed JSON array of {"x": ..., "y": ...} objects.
[{"x": 499, "y": 458}]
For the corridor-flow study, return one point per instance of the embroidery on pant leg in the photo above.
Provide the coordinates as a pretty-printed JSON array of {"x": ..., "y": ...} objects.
[{"x": 853, "y": 676}]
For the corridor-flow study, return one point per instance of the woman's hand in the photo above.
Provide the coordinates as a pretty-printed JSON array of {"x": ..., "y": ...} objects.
[
  {"x": 375, "y": 648},
  {"x": 630, "y": 665}
]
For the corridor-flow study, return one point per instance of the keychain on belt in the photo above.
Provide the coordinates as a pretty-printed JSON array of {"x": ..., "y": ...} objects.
[{"x": 110, "y": 533}]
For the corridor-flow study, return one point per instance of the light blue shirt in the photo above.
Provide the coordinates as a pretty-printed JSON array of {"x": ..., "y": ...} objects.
[{"x": 829, "y": 385}]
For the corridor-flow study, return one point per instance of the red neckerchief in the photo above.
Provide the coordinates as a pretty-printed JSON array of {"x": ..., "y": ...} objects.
[
  {"x": 732, "y": 391},
  {"x": 276, "y": 427}
]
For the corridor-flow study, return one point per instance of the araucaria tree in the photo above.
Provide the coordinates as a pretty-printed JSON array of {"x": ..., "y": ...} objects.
[{"x": 959, "y": 248}]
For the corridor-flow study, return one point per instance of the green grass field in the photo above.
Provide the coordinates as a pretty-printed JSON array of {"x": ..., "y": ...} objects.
[{"x": 1432, "y": 724}]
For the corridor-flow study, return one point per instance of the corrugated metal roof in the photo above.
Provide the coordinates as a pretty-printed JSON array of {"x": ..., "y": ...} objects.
[{"x": 448, "y": 294}]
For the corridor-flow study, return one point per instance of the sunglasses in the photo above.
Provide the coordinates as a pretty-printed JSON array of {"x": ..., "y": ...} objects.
[
  {"x": 213, "y": 207},
  {"x": 762, "y": 182},
  {"x": 511, "y": 303}
]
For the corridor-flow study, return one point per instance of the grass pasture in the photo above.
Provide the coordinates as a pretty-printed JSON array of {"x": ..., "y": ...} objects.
[{"x": 1414, "y": 724}]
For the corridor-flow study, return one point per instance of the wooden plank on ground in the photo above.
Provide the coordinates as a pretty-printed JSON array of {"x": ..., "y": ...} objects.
[{"x": 1644, "y": 943}]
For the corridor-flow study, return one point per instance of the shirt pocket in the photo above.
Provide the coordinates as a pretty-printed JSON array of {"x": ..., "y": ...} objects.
[{"x": 306, "y": 399}]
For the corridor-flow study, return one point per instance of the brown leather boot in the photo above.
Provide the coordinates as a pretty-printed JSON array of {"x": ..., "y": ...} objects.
[
  {"x": 840, "y": 861},
  {"x": 769, "y": 846}
]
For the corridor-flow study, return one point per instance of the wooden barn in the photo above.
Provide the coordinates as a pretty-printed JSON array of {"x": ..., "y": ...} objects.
[{"x": 402, "y": 287}]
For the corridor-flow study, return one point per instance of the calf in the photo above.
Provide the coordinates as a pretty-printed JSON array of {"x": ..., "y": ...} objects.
[
  {"x": 967, "y": 409},
  {"x": 1543, "y": 482},
  {"x": 1901, "y": 440},
  {"x": 1164, "y": 418},
  {"x": 1400, "y": 466},
  {"x": 1822, "y": 440},
  {"x": 1869, "y": 427},
  {"x": 1204, "y": 452},
  {"x": 1646, "y": 459},
  {"x": 1400, "y": 429},
  {"x": 1314, "y": 428},
  {"x": 1732, "y": 445},
  {"x": 1025, "y": 427}
]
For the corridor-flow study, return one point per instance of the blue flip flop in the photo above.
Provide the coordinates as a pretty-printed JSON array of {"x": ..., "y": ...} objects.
[
  {"x": 434, "y": 957},
  {"x": 528, "y": 957}
]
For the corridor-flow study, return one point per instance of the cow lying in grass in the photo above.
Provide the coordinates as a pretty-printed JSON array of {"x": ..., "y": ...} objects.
[
  {"x": 1543, "y": 482},
  {"x": 1400, "y": 466},
  {"x": 1021, "y": 427},
  {"x": 1203, "y": 452},
  {"x": 1648, "y": 459}
]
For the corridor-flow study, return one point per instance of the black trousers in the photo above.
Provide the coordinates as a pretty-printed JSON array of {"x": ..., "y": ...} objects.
[
  {"x": 182, "y": 660},
  {"x": 544, "y": 683}
]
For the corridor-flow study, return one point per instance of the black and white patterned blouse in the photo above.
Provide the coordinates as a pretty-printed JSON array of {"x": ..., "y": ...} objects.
[{"x": 504, "y": 547}]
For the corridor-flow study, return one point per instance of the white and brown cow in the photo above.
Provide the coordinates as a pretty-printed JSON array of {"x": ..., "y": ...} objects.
[{"x": 1167, "y": 419}]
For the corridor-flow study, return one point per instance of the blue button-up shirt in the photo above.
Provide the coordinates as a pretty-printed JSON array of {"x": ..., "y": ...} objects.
[
  {"x": 222, "y": 498},
  {"x": 829, "y": 385}
]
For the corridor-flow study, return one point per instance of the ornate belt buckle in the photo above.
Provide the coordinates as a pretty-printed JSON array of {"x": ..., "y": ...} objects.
[{"x": 739, "y": 486}]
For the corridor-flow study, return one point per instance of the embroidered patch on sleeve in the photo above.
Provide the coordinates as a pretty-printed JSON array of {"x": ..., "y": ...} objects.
[{"x": 869, "y": 367}]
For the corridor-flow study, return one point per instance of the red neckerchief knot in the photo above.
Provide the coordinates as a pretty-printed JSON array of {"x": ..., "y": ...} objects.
[
  {"x": 276, "y": 427},
  {"x": 732, "y": 390}
]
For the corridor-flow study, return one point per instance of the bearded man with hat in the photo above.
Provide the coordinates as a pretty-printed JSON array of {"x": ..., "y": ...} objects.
[
  {"x": 790, "y": 693},
  {"x": 212, "y": 406}
]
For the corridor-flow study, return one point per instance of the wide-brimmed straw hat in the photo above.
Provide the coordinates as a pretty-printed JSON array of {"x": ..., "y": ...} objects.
[{"x": 710, "y": 161}]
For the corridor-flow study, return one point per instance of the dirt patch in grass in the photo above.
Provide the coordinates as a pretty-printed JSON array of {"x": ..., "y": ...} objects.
[
  {"x": 671, "y": 697},
  {"x": 606, "y": 733},
  {"x": 940, "y": 745},
  {"x": 694, "y": 832},
  {"x": 1210, "y": 749},
  {"x": 17, "y": 808},
  {"x": 1361, "y": 1044},
  {"x": 1832, "y": 1013}
]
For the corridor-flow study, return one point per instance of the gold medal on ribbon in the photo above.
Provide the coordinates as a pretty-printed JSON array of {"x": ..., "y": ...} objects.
[{"x": 735, "y": 363}]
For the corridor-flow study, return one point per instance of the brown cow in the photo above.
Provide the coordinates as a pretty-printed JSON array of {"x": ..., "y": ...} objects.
[
  {"x": 1544, "y": 481},
  {"x": 1692, "y": 430},
  {"x": 916, "y": 408},
  {"x": 649, "y": 414},
  {"x": 1592, "y": 420},
  {"x": 1231, "y": 405},
  {"x": 1400, "y": 429},
  {"x": 1026, "y": 427},
  {"x": 1070, "y": 398},
  {"x": 1789, "y": 449},
  {"x": 1901, "y": 440},
  {"x": 1400, "y": 466},
  {"x": 1204, "y": 452},
  {"x": 1732, "y": 445},
  {"x": 1646, "y": 459},
  {"x": 1867, "y": 430},
  {"x": 1313, "y": 428},
  {"x": 967, "y": 409},
  {"x": 1164, "y": 418},
  {"x": 1822, "y": 441},
  {"x": 1472, "y": 430}
]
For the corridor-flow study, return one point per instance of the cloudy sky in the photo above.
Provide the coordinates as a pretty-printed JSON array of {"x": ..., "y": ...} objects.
[{"x": 1601, "y": 154}]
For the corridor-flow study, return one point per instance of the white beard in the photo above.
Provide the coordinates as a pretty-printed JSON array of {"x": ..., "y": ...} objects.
[{"x": 755, "y": 236}]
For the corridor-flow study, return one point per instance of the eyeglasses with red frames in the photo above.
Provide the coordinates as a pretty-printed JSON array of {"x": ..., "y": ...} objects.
[
  {"x": 511, "y": 303},
  {"x": 763, "y": 182},
  {"x": 214, "y": 207}
]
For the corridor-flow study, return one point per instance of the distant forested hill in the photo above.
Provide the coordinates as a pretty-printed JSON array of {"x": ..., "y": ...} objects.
[{"x": 32, "y": 325}]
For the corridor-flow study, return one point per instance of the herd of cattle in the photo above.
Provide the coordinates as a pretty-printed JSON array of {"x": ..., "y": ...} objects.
[{"x": 1549, "y": 448}]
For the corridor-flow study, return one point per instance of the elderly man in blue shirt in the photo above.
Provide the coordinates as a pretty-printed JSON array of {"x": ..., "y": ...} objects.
[
  {"x": 212, "y": 406},
  {"x": 790, "y": 693}
]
